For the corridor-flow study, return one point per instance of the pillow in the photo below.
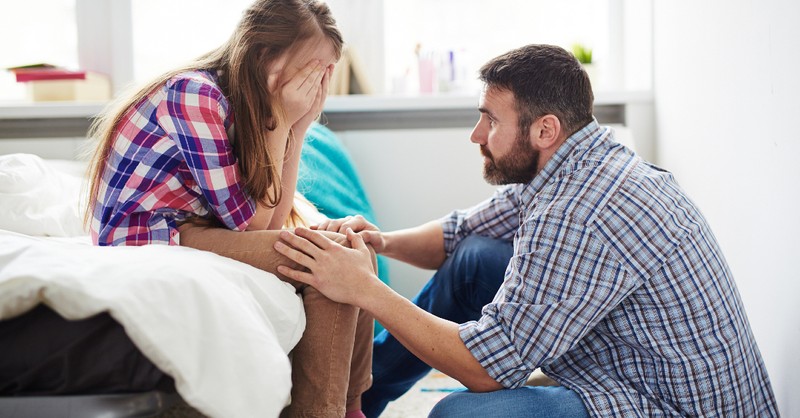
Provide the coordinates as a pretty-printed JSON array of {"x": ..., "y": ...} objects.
[
  {"x": 36, "y": 198},
  {"x": 329, "y": 180}
]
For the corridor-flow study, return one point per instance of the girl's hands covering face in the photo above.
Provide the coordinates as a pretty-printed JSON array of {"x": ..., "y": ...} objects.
[
  {"x": 301, "y": 92},
  {"x": 319, "y": 102}
]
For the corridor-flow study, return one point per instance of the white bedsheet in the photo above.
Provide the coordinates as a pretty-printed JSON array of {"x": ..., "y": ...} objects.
[{"x": 220, "y": 328}]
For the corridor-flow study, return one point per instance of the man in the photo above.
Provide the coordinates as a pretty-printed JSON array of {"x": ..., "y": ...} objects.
[{"x": 616, "y": 289}]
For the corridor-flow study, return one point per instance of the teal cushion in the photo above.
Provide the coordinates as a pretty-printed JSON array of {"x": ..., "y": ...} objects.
[{"x": 329, "y": 180}]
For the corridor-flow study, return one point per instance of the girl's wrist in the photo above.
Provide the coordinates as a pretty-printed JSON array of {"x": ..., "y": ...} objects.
[{"x": 301, "y": 127}]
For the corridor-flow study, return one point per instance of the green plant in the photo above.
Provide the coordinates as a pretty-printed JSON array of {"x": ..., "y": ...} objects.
[{"x": 582, "y": 53}]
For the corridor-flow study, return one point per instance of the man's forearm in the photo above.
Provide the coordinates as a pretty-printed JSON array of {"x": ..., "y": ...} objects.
[
  {"x": 421, "y": 246},
  {"x": 434, "y": 340},
  {"x": 347, "y": 275}
]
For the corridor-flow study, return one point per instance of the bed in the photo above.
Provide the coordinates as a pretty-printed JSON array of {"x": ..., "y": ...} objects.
[{"x": 221, "y": 329}]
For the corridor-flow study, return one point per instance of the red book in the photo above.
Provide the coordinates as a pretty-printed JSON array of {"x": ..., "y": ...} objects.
[{"x": 39, "y": 74}]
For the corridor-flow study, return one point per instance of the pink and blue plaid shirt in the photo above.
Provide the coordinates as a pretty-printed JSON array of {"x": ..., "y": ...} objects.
[{"x": 171, "y": 159}]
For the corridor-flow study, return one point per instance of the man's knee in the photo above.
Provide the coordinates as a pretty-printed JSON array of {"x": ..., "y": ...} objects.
[
  {"x": 454, "y": 405},
  {"x": 480, "y": 263},
  {"x": 476, "y": 254}
]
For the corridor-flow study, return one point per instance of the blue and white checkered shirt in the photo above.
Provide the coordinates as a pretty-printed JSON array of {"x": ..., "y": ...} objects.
[{"x": 617, "y": 289}]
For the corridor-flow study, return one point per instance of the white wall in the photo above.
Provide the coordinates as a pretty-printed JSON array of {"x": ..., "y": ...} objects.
[
  {"x": 727, "y": 92},
  {"x": 362, "y": 26},
  {"x": 413, "y": 176}
]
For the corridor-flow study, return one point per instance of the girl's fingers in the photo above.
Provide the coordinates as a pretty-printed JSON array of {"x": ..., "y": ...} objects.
[
  {"x": 310, "y": 89},
  {"x": 322, "y": 93},
  {"x": 299, "y": 79},
  {"x": 311, "y": 82},
  {"x": 344, "y": 225},
  {"x": 309, "y": 73},
  {"x": 356, "y": 222},
  {"x": 335, "y": 225},
  {"x": 326, "y": 79}
]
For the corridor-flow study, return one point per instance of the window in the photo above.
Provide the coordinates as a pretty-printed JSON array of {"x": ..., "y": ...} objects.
[
  {"x": 36, "y": 31},
  {"x": 476, "y": 31},
  {"x": 389, "y": 37},
  {"x": 167, "y": 34}
]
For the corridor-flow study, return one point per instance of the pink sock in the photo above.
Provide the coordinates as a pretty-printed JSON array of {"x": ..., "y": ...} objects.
[{"x": 355, "y": 414}]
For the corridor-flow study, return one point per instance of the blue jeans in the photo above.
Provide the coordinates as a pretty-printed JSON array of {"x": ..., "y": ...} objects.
[
  {"x": 465, "y": 282},
  {"x": 527, "y": 401}
]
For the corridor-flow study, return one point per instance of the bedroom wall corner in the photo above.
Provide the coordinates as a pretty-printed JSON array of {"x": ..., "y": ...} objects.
[{"x": 726, "y": 93}]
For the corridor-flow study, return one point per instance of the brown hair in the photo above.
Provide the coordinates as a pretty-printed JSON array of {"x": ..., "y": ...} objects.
[
  {"x": 544, "y": 79},
  {"x": 268, "y": 29}
]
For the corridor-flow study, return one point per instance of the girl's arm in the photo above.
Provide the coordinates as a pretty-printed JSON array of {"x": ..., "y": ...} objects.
[{"x": 303, "y": 99}]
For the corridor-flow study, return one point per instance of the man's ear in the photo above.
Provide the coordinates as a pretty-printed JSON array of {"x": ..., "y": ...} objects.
[{"x": 546, "y": 132}]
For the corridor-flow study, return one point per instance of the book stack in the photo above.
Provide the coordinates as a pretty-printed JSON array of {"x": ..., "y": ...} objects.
[{"x": 48, "y": 83}]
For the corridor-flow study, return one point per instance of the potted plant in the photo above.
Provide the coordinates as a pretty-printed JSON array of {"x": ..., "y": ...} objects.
[{"x": 584, "y": 56}]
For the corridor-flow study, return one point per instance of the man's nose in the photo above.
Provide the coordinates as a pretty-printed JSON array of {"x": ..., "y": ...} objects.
[{"x": 477, "y": 136}]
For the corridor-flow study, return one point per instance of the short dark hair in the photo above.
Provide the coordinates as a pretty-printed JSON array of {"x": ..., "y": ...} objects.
[{"x": 545, "y": 79}]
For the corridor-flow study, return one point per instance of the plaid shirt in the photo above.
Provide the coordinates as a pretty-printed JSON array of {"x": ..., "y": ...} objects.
[
  {"x": 617, "y": 289},
  {"x": 171, "y": 159}
]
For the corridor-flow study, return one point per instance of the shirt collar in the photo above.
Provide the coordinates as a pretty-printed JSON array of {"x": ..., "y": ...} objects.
[{"x": 575, "y": 146}]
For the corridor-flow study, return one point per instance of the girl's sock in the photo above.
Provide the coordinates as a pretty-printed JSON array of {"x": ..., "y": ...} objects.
[{"x": 355, "y": 414}]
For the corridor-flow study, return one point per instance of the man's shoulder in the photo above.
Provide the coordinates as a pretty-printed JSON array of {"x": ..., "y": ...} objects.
[
  {"x": 585, "y": 185},
  {"x": 605, "y": 179}
]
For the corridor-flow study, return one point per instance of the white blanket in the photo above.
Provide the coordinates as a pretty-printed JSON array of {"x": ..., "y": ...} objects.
[{"x": 220, "y": 328}]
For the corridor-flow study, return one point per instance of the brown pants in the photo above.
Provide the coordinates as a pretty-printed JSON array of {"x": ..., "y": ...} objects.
[{"x": 332, "y": 362}]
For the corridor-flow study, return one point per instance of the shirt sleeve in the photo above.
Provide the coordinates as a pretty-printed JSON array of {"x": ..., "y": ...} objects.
[
  {"x": 496, "y": 217},
  {"x": 194, "y": 114},
  {"x": 563, "y": 280}
]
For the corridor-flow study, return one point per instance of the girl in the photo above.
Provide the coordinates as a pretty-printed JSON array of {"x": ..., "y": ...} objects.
[{"x": 206, "y": 156}]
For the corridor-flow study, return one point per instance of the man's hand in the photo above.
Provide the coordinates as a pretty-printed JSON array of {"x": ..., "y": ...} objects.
[
  {"x": 341, "y": 274},
  {"x": 336, "y": 237},
  {"x": 345, "y": 275},
  {"x": 368, "y": 232}
]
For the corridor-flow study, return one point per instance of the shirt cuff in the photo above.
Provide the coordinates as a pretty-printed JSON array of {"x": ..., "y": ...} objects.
[
  {"x": 236, "y": 213},
  {"x": 495, "y": 352},
  {"x": 450, "y": 225}
]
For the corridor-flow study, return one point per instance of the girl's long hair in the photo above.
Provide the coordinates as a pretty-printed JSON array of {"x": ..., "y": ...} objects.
[{"x": 268, "y": 29}]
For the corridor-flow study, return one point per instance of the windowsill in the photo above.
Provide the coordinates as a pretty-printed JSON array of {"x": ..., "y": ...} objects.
[
  {"x": 342, "y": 113},
  {"x": 334, "y": 104}
]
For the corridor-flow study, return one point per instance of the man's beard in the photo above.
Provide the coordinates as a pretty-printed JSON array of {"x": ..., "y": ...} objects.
[{"x": 519, "y": 165}]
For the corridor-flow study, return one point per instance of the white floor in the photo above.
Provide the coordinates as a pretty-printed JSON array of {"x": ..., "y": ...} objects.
[{"x": 418, "y": 401}]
